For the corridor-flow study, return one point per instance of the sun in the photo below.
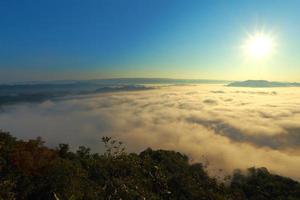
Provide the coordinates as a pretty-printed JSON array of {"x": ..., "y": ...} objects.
[{"x": 259, "y": 45}]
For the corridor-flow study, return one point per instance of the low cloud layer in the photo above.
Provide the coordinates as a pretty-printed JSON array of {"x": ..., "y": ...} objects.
[{"x": 231, "y": 127}]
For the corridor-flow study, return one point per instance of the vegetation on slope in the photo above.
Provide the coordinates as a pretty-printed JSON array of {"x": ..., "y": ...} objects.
[{"x": 29, "y": 170}]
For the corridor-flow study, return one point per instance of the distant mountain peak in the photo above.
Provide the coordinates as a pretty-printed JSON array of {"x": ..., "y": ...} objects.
[{"x": 262, "y": 83}]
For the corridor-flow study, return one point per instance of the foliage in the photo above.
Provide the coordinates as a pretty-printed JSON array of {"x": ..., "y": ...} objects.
[{"x": 30, "y": 170}]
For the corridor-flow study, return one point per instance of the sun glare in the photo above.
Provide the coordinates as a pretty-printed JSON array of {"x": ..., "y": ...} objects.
[{"x": 259, "y": 45}]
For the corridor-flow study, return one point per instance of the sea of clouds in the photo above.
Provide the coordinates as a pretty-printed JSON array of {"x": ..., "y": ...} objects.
[{"x": 230, "y": 127}]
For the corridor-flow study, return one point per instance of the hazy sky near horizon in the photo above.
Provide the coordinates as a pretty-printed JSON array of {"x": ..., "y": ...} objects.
[{"x": 73, "y": 39}]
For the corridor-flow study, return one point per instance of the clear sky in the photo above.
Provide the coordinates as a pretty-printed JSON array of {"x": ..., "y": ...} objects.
[{"x": 76, "y": 39}]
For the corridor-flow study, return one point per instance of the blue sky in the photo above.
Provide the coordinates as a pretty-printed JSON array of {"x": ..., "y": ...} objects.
[{"x": 74, "y": 39}]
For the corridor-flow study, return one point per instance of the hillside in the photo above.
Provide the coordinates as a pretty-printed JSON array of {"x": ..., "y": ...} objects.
[
  {"x": 29, "y": 92},
  {"x": 30, "y": 170}
]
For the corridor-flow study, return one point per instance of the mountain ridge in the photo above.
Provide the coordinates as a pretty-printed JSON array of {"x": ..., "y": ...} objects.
[{"x": 262, "y": 83}]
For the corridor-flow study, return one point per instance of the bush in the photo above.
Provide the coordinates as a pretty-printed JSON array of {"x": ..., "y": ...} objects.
[{"x": 30, "y": 170}]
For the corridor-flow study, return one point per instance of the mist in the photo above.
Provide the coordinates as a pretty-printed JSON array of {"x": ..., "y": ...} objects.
[{"x": 230, "y": 127}]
